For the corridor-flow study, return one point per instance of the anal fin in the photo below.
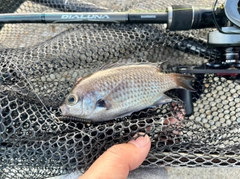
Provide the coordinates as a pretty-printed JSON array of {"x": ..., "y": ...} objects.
[
  {"x": 162, "y": 100},
  {"x": 125, "y": 114}
]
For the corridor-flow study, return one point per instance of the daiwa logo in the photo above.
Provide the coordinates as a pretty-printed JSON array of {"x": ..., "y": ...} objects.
[{"x": 89, "y": 16}]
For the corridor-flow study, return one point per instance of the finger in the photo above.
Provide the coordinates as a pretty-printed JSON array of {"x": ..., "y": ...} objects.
[{"x": 118, "y": 160}]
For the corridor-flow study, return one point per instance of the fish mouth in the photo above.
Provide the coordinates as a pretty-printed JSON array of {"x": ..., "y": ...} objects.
[{"x": 64, "y": 109}]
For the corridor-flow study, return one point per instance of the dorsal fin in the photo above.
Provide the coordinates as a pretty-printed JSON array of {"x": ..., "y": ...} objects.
[
  {"x": 78, "y": 80},
  {"x": 119, "y": 64}
]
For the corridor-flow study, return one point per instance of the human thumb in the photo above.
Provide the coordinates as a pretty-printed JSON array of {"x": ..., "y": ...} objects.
[{"x": 118, "y": 160}]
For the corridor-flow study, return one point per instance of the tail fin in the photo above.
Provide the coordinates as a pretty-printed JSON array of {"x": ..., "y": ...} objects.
[{"x": 183, "y": 81}]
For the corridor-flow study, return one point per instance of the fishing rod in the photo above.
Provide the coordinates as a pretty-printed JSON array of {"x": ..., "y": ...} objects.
[{"x": 177, "y": 17}]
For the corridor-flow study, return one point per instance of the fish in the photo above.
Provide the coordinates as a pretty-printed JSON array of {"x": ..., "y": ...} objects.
[{"x": 119, "y": 91}]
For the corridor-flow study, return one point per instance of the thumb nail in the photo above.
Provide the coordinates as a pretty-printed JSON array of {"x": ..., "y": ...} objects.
[{"x": 141, "y": 141}]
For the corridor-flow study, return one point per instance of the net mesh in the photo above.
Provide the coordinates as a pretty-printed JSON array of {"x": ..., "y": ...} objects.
[{"x": 41, "y": 62}]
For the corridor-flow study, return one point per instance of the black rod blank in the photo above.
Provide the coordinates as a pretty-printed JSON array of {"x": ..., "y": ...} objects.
[{"x": 96, "y": 17}]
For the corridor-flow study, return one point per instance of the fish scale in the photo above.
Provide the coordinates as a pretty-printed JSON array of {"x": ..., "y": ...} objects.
[{"x": 120, "y": 91}]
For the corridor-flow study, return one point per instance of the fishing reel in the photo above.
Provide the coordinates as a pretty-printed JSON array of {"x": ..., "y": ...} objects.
[
  {"x": 225, "y": 41},
  {"x": 227, "y": 38}
]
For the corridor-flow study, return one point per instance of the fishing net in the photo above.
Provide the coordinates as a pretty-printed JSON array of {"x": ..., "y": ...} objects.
[{"x": 41, "y": 62}]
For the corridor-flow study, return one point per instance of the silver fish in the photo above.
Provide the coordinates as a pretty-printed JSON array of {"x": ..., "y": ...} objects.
[{"x": 120, "y": 91}]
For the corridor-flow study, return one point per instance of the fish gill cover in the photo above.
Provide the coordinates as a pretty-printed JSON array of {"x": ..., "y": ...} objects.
[{"x": 40, "y": 64}]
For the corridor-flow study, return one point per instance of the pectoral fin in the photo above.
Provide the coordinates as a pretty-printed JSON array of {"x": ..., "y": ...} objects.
[{"x": 103, "y": 103}]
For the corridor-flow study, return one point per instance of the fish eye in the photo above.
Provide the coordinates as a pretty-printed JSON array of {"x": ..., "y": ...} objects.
[{"x": 72, "y": 99}]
